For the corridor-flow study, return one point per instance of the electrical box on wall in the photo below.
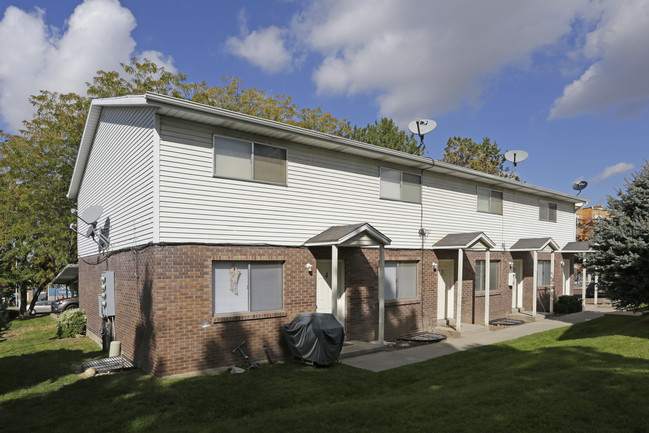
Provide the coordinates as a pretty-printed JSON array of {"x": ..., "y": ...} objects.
[
  {"x": 512, "y": 278},
  {"x": 107, "y": 296}
]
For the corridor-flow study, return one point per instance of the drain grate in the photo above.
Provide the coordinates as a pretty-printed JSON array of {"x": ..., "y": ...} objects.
[
  {"x": 506, "y": 322},
  {"x": 423, "y": 337},
  {"x": 105, "y": 365}
]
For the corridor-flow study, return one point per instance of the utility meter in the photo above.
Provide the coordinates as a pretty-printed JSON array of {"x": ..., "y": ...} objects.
[{"x": 107, "y": 296}]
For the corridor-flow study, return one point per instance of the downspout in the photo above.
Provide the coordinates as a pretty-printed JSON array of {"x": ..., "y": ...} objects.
[{"x": 422, "y": 235}]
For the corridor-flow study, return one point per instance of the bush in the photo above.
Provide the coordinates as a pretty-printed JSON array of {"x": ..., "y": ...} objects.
[
  {"x": 567, "y": 304},
  {"x": 71, "y": 323}
]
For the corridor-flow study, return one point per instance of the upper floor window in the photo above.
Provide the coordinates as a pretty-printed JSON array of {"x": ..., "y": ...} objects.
[
  {"x": 397, "y": 185},
  {"x": 400, "y": 280},
  {"x": 249, "y": 161},
  {"x": 490, "y": 201},
  {"x": 480, "y": 274},
  {"x": 547, "y": 211}
]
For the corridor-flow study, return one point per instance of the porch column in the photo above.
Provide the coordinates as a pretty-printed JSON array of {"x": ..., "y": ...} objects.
[
  {"x": 534, "y": 282},
  {"x": 460, "y": 265},
  {"x": 595, "y": 287},
  {"x": 334, "y": 281},
  {"x": 552, "y": 282},
  {"x": 583, "y": 287},
  {"x": 381, "y": 294},
  {"x": 487, "y": 286}
]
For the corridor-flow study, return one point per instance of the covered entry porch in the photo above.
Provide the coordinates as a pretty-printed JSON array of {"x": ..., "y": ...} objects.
[
  {"x": 451, "y": 275},
  {"x": 331, "y": 286}
]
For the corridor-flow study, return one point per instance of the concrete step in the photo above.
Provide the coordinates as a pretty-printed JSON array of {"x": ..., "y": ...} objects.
[
  {"x": 527, "y": 317},
  {"x": 357, "y": 348},
  {"x": 466, "y": 329}
]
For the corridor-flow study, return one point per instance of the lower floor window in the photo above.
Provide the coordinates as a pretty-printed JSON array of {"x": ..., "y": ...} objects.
[
  {"x": 239, "y": 287},
  {"x": 543, "y": 277},
  {"x": 494, "y": 275},
  {"x": 400, "y": 280}
]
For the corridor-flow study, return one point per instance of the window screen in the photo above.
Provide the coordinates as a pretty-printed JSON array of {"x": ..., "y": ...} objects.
[
  {"x": 543, "y": 276},
  {"x": 232, "y": 158},
  {"x": 397, "y": 185},
  {"x": 247, "y": 286},
  {"x": 400, "y": 280},
  {"x": 270, "y": 164}
]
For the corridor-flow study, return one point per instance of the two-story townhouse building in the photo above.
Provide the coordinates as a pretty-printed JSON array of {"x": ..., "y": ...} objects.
[{"x": 223, "y": 227}]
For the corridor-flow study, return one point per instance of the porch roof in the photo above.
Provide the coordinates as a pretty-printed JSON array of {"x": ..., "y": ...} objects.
[
  {"x": 69, "y": 274},
  {"x": 458, "y": 241},
  {"x": 578, "y": 247},
  {"x": 534, "y": 244},
  {"x": 359, "y": 235}
]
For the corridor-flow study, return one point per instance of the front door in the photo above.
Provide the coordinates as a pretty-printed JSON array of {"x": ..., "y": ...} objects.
[
  {"x": 323, "y": 288},
  {"x": 566, "y": 277},
  {"x": 518, "y": 286},
  {"x": 445, "y": 292}
]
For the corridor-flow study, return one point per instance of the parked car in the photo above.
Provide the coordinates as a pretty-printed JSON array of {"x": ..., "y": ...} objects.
[
  {"x": 42, "y": 307},
  {"x": 65, "y": 304},
  {"x": 590, "y": 291}
]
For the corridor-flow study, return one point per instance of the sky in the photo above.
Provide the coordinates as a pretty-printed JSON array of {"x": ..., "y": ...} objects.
[{"x": 565, "y": 80}]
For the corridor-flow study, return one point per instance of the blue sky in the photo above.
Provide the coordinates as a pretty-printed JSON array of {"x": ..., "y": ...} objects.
[{"x": 565, "y": 80}]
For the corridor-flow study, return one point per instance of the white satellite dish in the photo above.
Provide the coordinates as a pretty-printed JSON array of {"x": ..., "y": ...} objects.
[
  {"x": 516, "y": 156},
  {"x": 91, "y": 214},
  {"x": 421, "y": 127},
  {"x": 579, "y": 186}
]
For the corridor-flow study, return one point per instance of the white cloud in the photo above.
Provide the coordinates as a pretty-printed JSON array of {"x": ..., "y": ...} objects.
[
  {"x": 619, "y": 168},
  {"x": 34, "y": 56},
  {"x": 264, "y": 47},
  {"x": 617, "y": 52}
]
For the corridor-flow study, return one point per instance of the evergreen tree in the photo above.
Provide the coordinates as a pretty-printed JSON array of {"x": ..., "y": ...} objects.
[{"x": 621, "y": 244}]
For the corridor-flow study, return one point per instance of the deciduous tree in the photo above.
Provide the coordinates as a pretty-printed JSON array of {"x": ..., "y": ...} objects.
[
  {"x": 385, "y": 133},
  {"x": 486, "y": 156}
]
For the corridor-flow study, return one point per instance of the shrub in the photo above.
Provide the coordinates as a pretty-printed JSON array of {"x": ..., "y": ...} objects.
[
  {"x": 71, "y": 323},
  {"x": 567, "y": 304}
]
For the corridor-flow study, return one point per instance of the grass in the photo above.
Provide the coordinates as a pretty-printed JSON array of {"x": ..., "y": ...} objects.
[{"x": 591, "y": 377}]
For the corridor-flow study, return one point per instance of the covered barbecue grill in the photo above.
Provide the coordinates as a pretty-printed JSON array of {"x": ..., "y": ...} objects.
[{"x": 315, "y": 338}]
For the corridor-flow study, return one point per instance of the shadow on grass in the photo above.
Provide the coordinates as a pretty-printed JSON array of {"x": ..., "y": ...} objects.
[
  {"x": 30, "y": 369},
  {"x": 557, "y": 388},
  {"x": 630, "y": 326}
]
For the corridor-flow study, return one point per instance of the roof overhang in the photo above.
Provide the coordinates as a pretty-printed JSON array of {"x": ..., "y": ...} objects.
[
  {"x": 472, "y": 240},
  {"x": 69, "y": 274},
  {"x": 578, "y": 247},
  {"x": 535, "y": 244},
  {"x": 243, "y": 123},
  {"x": 353, "y": 235}
]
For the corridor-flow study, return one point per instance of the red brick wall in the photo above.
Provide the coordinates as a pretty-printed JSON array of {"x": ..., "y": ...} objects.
[{"x": 164, "y": 300}]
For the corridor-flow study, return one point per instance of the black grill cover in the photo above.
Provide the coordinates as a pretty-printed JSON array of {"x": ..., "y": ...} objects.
[{"x": 315, "y": 337}]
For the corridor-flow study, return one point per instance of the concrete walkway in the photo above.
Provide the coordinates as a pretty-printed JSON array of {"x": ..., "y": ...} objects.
[{"x": 383, "y": 360}]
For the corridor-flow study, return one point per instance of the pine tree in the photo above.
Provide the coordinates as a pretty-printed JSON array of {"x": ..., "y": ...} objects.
[{"x": 621, "y": 244}]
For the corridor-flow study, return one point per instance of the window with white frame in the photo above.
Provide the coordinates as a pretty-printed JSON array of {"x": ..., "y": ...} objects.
[
  {"x": 544, "y": 273},
  {"x": 239, "y": 287},
  {"x": 400, "y": 280},
  {"x": 490, "y": 201},
  {"x": 480, "y": 274},
  {"x": 249, "y": 161},
  {"x": 398, "y": 185},
  {"x": 547, "y": 211}
]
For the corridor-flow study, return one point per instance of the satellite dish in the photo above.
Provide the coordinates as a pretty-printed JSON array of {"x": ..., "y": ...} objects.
[
  {"x": 516, "y": 156},
  {"x": 579, "y": 186},
  {"x": 91, "y": 214},
  {"x": 421, "y": 127}
]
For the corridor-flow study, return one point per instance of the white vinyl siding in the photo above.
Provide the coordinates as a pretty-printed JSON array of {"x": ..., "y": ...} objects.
[
  {"x": 400, "y": 280},
  {"x": 323, "y": 189},
  {"x": 397, "y": 185},
  {"x": 494, "y": 275},
  {"x": 544, "y": 273},
  {"x": 239, "y": 287},
  {"x": 119, "y": 176}
]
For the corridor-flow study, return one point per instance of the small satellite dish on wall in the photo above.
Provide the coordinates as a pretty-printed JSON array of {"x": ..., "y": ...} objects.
[
  {"x": 91, "y": 214},
  {"x": 516, "y": 156},
  {"x": 421, "y": 127},
  {"x": 579, "y": 186}
]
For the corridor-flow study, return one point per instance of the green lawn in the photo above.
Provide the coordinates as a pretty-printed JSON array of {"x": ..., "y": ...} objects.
[{"x": 592, "y": 377}]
